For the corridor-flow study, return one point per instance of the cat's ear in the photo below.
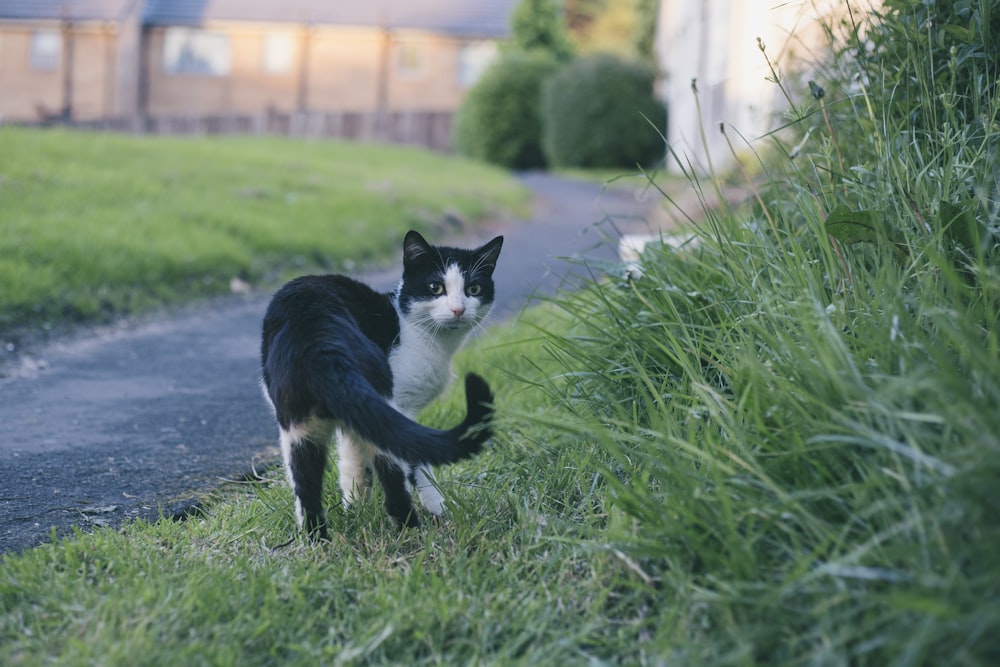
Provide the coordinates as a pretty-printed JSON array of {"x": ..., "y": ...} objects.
[
  {"x": 487, "y": 255},
  {"x": 414, "y": 246}
]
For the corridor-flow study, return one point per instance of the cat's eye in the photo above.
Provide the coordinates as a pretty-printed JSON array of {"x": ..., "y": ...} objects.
[
  {"x": 437, "y": 289},
  {"x": 473, "y": 290}
]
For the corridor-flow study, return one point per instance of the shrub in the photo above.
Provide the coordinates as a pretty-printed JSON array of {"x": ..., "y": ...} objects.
[
  {"x": 499, "y": 121},
  {"x": 600, "y": 111},
  {"x": 957, "y": 47},
  {"x": 927, "y": 68},
  {"x": 540, "y": 26}
]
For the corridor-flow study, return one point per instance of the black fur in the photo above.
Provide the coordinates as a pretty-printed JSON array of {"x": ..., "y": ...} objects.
[{"x": 325, "y": 351}]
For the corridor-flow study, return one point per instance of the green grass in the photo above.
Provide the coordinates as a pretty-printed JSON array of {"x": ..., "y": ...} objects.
[
  {"x": 799, "y": 416},
  {"x": 780, "y": 447},
  {"x": 99, "y": 223},
  {"x": 504, "y": 579}
]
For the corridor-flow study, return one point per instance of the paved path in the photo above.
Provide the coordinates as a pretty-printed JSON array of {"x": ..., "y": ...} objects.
[{"x": 142, "y": 418}]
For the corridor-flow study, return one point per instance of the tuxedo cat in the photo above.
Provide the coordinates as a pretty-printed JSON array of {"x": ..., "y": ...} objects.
[{"x": 340, "y": 358}]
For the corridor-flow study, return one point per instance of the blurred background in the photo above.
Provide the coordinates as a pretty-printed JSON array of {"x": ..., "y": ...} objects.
[{"x": 387, "y": 70}]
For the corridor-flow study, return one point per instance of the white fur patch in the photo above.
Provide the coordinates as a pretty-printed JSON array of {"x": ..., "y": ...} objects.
[
  {"x": 353, "y": 457},
  {"x": 456, "y": 303},
  {"x": 429, "y": 336}
]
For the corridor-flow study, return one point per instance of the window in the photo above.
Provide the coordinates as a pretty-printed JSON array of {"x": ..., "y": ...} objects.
[
  {"x": 278, "y": 56},
  {"x": 409, "y": 58},
  {"x": 46, "y": 49},
  {"x": 190, "y": 51},
  {"x": 474, "y": 58}
]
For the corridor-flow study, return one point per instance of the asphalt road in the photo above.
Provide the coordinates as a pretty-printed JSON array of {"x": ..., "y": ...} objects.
[{"x": 141, "y": 418}]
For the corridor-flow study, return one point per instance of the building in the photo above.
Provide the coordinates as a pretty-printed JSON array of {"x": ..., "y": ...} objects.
[
  {"x": 83, "y": 60},
  {"x": 68, "y": 58},
  {"x": 717, "y": 44}
]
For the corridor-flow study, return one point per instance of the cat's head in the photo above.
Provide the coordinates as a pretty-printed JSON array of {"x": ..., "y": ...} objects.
[{"x": 446, "y": 289}]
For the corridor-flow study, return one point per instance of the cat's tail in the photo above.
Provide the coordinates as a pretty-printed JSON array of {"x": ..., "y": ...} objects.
[{"x": 378, "y": 422}]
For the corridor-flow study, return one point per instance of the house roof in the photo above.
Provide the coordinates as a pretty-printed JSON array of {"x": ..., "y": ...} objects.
[
  {"x": 483, "y": 18},
  {"x": 80, "y": 10},
  {"x": 468, "y": 18}
]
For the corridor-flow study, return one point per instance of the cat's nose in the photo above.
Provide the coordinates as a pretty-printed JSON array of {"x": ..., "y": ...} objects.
[{"x": 458, "y": 311}]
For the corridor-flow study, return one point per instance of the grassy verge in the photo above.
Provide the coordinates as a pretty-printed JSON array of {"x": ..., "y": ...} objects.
[
  {"x": 99, "y": 223},
  {"x": 503, "y": 580},
  {"x": 799, "y": 415}
]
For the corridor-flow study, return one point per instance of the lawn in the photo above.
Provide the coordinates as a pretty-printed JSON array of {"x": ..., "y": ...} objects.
[{"x": 96, "y": 224}]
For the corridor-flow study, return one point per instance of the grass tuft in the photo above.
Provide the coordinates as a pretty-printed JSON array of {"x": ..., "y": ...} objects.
[{"x": 797, "y": 415}]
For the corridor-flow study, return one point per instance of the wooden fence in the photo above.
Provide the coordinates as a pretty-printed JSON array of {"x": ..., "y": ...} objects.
[{"x": 428, "y": 129}]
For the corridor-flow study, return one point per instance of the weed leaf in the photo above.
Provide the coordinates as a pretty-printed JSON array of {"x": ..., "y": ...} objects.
[
  {"x": 960, "y": 225},
  {"x": 849, "y": 226}
]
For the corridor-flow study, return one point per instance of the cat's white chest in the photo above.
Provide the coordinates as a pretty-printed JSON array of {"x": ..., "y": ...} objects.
[{"x": 421, "y": 369}]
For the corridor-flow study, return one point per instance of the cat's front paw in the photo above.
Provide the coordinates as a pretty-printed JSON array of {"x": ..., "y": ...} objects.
[
  {"x": 432, "y": 500},
  {"x": 427, "y": 491}
]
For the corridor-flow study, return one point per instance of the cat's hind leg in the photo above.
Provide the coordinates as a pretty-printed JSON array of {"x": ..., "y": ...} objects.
[
  {"x": 398, "y": 502},
  {"x": 304, "y": 449}
]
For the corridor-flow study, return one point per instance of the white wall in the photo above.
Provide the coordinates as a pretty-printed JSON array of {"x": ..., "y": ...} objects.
[{"x": 715, "y": 42}]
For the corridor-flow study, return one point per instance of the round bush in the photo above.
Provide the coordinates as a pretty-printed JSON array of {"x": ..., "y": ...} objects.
[
  {"x": 600, "y": 111},
  {"x": 499, "y": 121}
]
